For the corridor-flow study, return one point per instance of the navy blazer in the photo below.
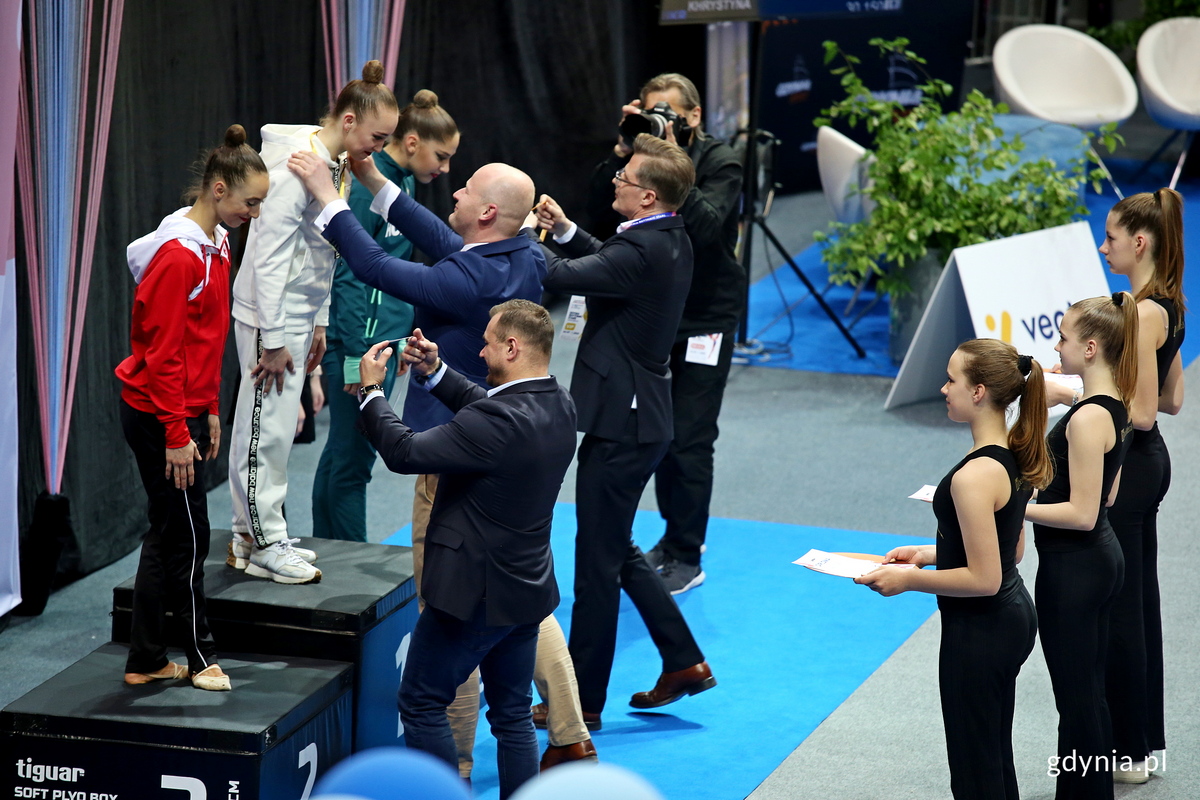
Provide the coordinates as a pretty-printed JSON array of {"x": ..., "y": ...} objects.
[
  {"x": 501, "y": 460},
  {"x": 452, "y": 298},
  {"x": 636, "y": 284}
]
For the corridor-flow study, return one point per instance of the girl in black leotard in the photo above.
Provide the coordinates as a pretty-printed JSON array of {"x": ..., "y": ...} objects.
[
  {"x": 1143, "y": 240},
  {"x": 988, "y": 620},
  {"x": 1080, "y": 564}
]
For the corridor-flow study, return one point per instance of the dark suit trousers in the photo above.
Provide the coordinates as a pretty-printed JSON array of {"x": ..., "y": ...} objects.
[
  {"x": 170, "y": 575},
  {"x": 443, "y": 653},
  {"x": 684, "y": 480},
  {"x": 609, "y": 483}
]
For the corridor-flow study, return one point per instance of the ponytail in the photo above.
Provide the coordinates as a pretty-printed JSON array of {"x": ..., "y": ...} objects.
[
  {"x": 231, "y": 162},
  {"x": 1168, "y": 256},
  {"x": 1008, "y": 377},
  {"x": 1126, "y": 367},
  {"x": 363, "y": 96},
  {"x": 1027, "y": 438},
  {"x": 1160, "y": 215}
]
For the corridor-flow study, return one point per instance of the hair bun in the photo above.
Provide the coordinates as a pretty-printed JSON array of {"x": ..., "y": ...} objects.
[
  {"x": 372, "y": 72},
  {"x": 425, "y": 99},
  {"x": 235, "y": 135}
]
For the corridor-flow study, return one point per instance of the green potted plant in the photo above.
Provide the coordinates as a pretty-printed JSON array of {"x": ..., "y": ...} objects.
[
  {"x": 1122, "y": 36},
  {"x": 938, "y": 180}
]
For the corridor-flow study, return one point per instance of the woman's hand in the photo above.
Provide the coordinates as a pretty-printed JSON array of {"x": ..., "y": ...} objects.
[
  {"x": 316, "y": 351},
  {"x": 888, "y": 581},
  {"x": 270, "y": 368},
  {"x": 318, "y": 391},
  {"x": 214, "y": 436},
  {"x": 917, "y": 555},
  {"x": 180, "y": 462}
]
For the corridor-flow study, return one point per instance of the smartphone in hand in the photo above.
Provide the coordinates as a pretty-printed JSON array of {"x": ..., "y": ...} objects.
[{"x": 396, "y": 344}]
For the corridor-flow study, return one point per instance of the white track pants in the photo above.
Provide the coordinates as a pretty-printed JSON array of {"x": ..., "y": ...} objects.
[{"x": 264, "y": 425}]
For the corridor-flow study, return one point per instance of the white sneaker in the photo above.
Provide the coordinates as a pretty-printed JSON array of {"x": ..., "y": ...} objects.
[
  {"x": 281, "y": 563},
  {"x": 1137, "y": 773},
  {"x": 238, "y": 551}
]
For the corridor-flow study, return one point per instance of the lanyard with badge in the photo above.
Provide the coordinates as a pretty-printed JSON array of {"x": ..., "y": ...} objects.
[{"x": 338, "y": 171}]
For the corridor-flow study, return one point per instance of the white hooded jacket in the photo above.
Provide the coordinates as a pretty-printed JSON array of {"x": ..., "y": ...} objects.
[{"x": 285, "y": 276}]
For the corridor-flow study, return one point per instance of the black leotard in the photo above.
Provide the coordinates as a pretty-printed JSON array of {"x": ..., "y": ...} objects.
[{"x": 951, "y": 553}]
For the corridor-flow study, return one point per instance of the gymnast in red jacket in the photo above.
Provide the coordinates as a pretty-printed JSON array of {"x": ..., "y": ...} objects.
[{"x": 169, "y": 403}]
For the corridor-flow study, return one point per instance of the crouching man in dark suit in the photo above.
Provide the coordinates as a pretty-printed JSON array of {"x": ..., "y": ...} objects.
[{"x": 488, "y": 578}]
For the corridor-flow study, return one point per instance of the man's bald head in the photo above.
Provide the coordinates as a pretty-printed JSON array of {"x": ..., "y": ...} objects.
[
  {"x": 511, "y": 190},
  {"x": 493, "y": 204}
]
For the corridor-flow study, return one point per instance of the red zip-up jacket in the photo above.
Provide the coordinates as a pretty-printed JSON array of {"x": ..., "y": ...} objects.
[{"x": 180, "y": 321}]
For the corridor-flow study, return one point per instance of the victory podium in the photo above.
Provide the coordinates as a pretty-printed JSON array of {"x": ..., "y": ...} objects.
[
  {"x": 84, "y": 734},
  {"x": 363, "y": 612}
]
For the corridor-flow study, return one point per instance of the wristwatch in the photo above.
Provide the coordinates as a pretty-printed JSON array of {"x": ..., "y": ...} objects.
[{"x": 363, "y": 391}]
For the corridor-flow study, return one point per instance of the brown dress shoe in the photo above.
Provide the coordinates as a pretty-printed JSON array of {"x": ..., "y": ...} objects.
[
  {"x": 580, "y": 751},
  {"x": 541, "y": 711},
  {"x": 673, "y": 685}
]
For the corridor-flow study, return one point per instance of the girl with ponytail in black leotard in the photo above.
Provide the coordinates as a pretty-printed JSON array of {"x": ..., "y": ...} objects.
[
  {"x": 1080, "y": 565},
  {"x": 988, "y": 620},
  {"x": 1143, "y": 241}
]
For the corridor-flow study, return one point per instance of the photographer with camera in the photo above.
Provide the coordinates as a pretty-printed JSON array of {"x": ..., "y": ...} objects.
[{"x": 669, "y": 108}]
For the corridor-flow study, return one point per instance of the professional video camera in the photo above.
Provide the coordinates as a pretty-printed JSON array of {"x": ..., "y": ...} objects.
[{"x": 654, "y": 122}]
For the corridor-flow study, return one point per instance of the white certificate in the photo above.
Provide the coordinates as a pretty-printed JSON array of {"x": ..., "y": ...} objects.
[{"x": 844, "y": 566}]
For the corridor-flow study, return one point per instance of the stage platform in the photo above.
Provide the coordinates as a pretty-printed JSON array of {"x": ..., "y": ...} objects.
[
  {"x": 85, "y": 735},
  {"x": 362, "y": 611}
]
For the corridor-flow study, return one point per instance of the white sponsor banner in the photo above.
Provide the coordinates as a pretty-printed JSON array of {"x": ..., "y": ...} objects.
[{"x": 1015, "y": 289}]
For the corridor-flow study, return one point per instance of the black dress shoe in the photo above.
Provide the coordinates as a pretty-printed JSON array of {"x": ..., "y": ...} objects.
[
  {"x": 541, "y": 711},
  {"x": 580, "y": 751},
  {"x": 673, "y": 685}
]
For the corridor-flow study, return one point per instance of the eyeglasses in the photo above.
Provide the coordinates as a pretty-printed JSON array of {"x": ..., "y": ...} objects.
[{"x": 620, "y": 176}]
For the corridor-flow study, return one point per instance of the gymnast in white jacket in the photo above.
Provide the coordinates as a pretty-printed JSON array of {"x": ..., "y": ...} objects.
[{"x": 280, "y": 309}]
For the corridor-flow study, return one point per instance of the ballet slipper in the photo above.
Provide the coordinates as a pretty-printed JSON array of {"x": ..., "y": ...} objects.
[
  {"x": 211, "y": 679},
  {"x": 170, "y": 672}
]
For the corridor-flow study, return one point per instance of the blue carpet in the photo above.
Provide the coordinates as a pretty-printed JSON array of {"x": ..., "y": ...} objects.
[
  {"x": 799, "y": 335},
  {"x": 787, "y": 646}
]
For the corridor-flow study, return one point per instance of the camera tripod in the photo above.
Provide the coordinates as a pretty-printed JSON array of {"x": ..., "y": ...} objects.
[{"x": 756, "y": 138}]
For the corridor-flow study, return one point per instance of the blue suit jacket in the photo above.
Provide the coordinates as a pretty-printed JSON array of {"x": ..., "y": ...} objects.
[
  {"x": 452, "y": 297},
  {"x": 501, "y": 460}
]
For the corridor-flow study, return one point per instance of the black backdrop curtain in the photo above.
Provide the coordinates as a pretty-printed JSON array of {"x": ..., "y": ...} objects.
[{"x": 534, "y": 83}]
